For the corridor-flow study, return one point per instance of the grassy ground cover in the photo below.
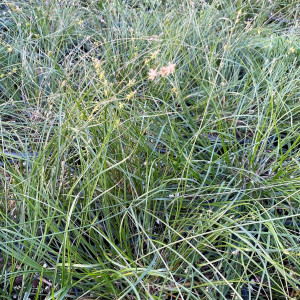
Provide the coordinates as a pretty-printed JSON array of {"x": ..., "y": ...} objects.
[{"x": 149, "y": 149}]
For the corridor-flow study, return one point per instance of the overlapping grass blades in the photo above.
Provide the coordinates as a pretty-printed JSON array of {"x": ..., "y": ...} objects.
[{"x": 181, "y": 187}]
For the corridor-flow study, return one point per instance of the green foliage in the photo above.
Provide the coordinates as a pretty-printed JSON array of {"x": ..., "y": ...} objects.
[{"x": 181, "y": 187}]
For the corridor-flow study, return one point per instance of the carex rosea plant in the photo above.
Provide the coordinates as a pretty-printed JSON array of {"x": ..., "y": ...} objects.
[{"x": 164, "y": 149}]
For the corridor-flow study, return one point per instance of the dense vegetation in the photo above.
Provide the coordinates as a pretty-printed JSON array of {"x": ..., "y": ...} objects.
[{"x": 150, "y": 149}]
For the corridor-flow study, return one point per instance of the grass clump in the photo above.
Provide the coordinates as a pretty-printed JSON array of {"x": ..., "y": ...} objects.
[{"x": 149, "y": 150}]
